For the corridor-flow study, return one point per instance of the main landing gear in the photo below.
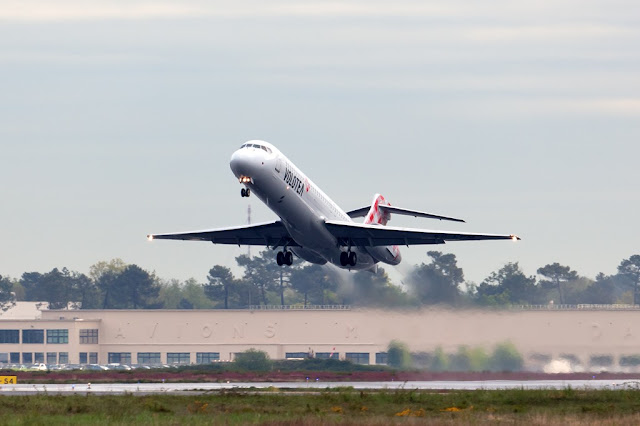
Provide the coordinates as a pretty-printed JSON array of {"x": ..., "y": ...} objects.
[
  {"x": 245, "y": 192},
  {"x": 348, "y": 258},
  {"x": 284, "y": 258}
]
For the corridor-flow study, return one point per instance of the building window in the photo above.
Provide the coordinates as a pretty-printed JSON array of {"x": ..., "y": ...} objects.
[
  {"x": 178, "y": 357},
  {"x": 93, "y": 357},
  {"x": 149, "y": 358},
  {"x": 38, "y": 357},
  {"x": 296, "y": 355},
  {"x": 120, "y": 358},
  {"x": 32, "y": 336},
  {"x": 63, "y": 357},
  {"x": 358, "y": 357},
  {"x": 327, "y": 355},
  {"x": 14, "y": 357},
  {"x": 4, "y": 357},
  {"x": 83, "y": 358},
  {"x": 9, "y": 336},
  {"x": 27, "y": 358},
  {"x": 89, "y": 336},
  {"x": 52, "y": 357},
  {"x": 382, "y": 358},
  {"x": 207, "y": 357},
  {"x": 58, "y": 336}
]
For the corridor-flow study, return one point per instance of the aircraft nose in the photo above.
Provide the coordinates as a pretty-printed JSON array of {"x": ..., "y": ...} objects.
[
  {"x": 238, "y": 162},
  {"x": 245, "y": 162}
]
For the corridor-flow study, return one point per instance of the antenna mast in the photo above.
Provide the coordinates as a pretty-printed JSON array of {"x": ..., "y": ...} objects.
[{"x": 249, "y": 223}]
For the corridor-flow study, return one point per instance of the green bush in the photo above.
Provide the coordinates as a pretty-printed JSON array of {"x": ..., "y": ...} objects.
[
  {"x": 601, "y": 360},
  {"x": 505, "y": 357},
  {"x": 398, "y": 355},
  {"x": 421, "y": 360},
  {"x": 253, "y": 360},
  {"x": 465, "y": 359},
  {"x": 440, "y": 361},
  {"x": 479, "y": 359},
  {"x": 630, "y": 361},
  {"x": 317, "y": 364}
]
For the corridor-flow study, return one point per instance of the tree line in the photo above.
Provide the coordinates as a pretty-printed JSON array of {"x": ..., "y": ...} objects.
[{"x": 438, "y": 281}]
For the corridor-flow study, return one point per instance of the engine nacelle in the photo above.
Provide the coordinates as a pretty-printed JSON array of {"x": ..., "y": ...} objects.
[{"x": 387, "y": 254}]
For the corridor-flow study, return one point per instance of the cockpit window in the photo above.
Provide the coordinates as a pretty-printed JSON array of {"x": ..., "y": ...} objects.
[{"x": 255, "y": 145}]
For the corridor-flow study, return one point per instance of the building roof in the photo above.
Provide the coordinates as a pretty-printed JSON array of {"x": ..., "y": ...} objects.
[{"x": 24, "y": 310}]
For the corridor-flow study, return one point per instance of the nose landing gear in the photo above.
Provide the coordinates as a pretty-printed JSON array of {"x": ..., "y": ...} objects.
[
  {"x": 245, "y": 192},
  {"x": 284, "y": 258}
]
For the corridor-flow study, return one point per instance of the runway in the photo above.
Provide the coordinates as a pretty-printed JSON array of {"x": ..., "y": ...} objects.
[{"x": 312, "y": 386}]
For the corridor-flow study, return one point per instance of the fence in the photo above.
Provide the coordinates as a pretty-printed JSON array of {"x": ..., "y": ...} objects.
[{"x": 299, "y": 307}]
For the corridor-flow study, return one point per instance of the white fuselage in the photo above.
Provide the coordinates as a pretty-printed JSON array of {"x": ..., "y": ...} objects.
[{"x": 301, "y": 205}]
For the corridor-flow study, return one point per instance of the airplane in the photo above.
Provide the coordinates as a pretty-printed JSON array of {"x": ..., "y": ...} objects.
[{"x": 313, "y": 226}]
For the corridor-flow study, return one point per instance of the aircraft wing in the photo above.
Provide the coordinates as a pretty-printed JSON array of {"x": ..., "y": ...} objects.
[
  {"x": 360, "y": 234},
  {"x": 259, "y": 234}
]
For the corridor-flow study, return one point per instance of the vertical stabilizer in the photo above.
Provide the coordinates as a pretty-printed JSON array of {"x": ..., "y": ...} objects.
[{"x": 375, "y": 214}]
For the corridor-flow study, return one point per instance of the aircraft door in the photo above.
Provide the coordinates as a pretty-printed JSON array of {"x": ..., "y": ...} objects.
[{"x": 278, "y": 165}]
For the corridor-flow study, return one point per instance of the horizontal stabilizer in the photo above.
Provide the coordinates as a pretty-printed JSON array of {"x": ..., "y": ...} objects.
[
  {"x": 361, "y": 212},
  {"x": 416, "y": 213}
]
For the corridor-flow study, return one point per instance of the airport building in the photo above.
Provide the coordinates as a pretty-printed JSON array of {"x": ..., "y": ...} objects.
[{"x": 585, "y": 336}]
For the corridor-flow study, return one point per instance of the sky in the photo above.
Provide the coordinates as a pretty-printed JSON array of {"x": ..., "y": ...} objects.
[{"x": 118, "y": 119}]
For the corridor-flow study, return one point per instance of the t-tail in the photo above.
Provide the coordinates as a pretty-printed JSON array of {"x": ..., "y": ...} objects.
[
  {"x": 380, "y": 214},
  {"x": 377, "y": 215}
]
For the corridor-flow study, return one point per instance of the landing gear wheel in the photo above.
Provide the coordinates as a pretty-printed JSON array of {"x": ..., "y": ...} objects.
[
  {"x": 288, "y": 258},
  {"x": 344, "y": 258},
  {"x": 248, "y": 192},
  {"x": 280, "y": 258},
  {"x": 245, "y": 192},
  {"x": 353, "y": 258}
]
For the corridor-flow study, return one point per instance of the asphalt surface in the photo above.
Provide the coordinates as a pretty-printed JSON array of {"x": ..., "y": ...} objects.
[{"x": 311, "y": 386}]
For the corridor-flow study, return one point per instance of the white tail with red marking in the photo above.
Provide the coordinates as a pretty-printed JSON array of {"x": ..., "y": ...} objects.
[
  {"x": 378, "y": 216},
  {"x": 375, "y": 214}
]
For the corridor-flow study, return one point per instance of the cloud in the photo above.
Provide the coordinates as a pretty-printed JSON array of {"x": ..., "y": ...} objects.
[
  {"x": 609, "y": 106},
  {"x": 463, "y": 11},
  {"x": 73, "y": 10},
  {"x": 516, "y": 34},
  {"x": 527, "y": 107}
]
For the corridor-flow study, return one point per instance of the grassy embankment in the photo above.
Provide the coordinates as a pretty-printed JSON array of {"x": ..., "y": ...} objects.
[{"x": 337, "y": 406}]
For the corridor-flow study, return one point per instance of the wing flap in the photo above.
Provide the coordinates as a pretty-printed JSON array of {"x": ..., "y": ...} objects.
[
  {"x": 260, "y": 234},
  {"x": 374, "y": 235}
]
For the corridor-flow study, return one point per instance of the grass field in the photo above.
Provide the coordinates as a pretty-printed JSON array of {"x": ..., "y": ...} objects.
[{"x": 345, "y": 406}]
